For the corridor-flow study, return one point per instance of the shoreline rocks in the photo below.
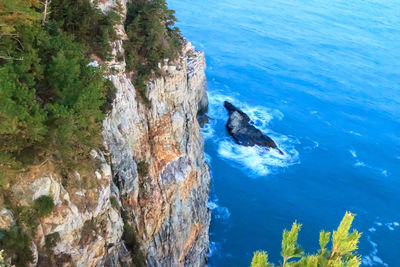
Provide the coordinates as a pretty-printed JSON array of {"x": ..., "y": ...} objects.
[{"x": 243, "y": 132}]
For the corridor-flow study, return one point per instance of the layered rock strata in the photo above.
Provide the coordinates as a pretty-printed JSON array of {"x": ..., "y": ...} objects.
[{"x": 152, "y": 169}]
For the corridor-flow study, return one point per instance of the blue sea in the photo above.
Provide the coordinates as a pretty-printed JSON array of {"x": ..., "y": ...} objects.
[{"x": 322, "y": 78}]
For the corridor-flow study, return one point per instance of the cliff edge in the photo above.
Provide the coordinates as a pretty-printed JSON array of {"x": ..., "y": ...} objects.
[{"x": 150, "y": 188}]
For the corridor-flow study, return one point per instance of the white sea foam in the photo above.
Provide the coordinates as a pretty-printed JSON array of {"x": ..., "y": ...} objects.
[
  {"x": 258, "y": 160},
  {"x": 310, "y": 147},
  {"x": 219, "y": 212},
  {"x": 207, "y": 158},
  {"x": 213, "y": 249},
  {"x": 208, "y": 130},
  {"x": 378, "y": 170},
  {"x": 390, "y": 226},
  {"x": 216, "y": 108},
  {"x": 222, "y": 213},
  {"x": 355, "y": 133},
  {"x": 353, "y": 153},
  {"x": 260, "y": 116},
  {"x": 212, "y": 205},
  {"x": 360, "y": 164},
  {"x": 372, "y": 258}
]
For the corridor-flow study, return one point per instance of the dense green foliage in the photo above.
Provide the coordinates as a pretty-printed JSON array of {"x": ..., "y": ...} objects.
[
  {"x": 152, "y": 37},
  {"x": 87, "y": 24},
  {"x": 131, "y": 243},
  {"x": 260, "y": 259},
  {"x": 143, "y": 169},
  {"x": 17, "y": 241},
  {"x": 51, "y": 241},
  {"x": 43, "y": 206},
  {"x": 17, "y": 245},
  {"x": 341, "y": 254},
  {"x": 51, "y": 102}
]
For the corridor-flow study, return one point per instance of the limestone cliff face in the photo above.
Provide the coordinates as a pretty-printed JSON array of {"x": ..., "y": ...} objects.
[
  {"x": 83, "y": 216},
  {"x": 168, "y": 206},
  {"x": 165, "y": 201}
]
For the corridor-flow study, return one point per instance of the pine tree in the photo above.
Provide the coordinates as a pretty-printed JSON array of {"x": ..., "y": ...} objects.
[
  {"x": 51, "y": 102},
  {"x": 290, "y": 248},
  {"x": 344, "y": 244},
  {"x": 152, "y": 37},
  {"x": 21, "y": 119},
  {"x": 17, "y": 12},
  {"x": 260, "y": 259}
]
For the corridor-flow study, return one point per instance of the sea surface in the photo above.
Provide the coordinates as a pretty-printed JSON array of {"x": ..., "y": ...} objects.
[{"x": 322, "y": 78}]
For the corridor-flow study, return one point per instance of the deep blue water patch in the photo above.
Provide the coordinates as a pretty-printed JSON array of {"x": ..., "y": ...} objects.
[{"x": 322, "y": 78}]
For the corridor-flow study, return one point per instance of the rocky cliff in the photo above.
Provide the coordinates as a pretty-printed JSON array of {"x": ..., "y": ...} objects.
[
  {"x": 168, "y": 202},
  {"x": 151, "y": 176}
]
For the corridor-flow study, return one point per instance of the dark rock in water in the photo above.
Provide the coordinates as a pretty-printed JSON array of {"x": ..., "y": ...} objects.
[{"x": 243, "y": 132}]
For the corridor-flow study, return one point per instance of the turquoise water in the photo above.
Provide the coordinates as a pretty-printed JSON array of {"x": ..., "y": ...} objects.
[{"x": 322, "y": 78}]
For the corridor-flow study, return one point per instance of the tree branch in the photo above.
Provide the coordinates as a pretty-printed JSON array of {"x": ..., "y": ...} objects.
[
  {"x": 45, "y": 12},
  {"x": 10, "y": 58}
]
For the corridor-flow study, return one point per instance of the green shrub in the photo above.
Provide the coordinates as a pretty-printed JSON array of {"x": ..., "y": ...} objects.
[
  {"x": 143, "y": 169},
  {"x": 131, "y": 243},
  {"x": 51, "y": 241},
  {"x": 114, "y": 203},
  {"x": 152, "y": 37},
  {"x": 28, "y": 217},
  {"x": 109, "y": 93},
  {"x": 342, "y": 252},
  {"x": 43, "y": 206},
  {"x": 16, "y": 244},
  {"x": 89, "y": 230}
]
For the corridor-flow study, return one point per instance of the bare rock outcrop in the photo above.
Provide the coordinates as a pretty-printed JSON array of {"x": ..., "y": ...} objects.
[{"x": 243, "y": 132}]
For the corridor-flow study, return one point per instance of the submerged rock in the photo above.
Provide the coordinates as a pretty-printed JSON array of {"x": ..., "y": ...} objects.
[{"x": 243, "y": 132}]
